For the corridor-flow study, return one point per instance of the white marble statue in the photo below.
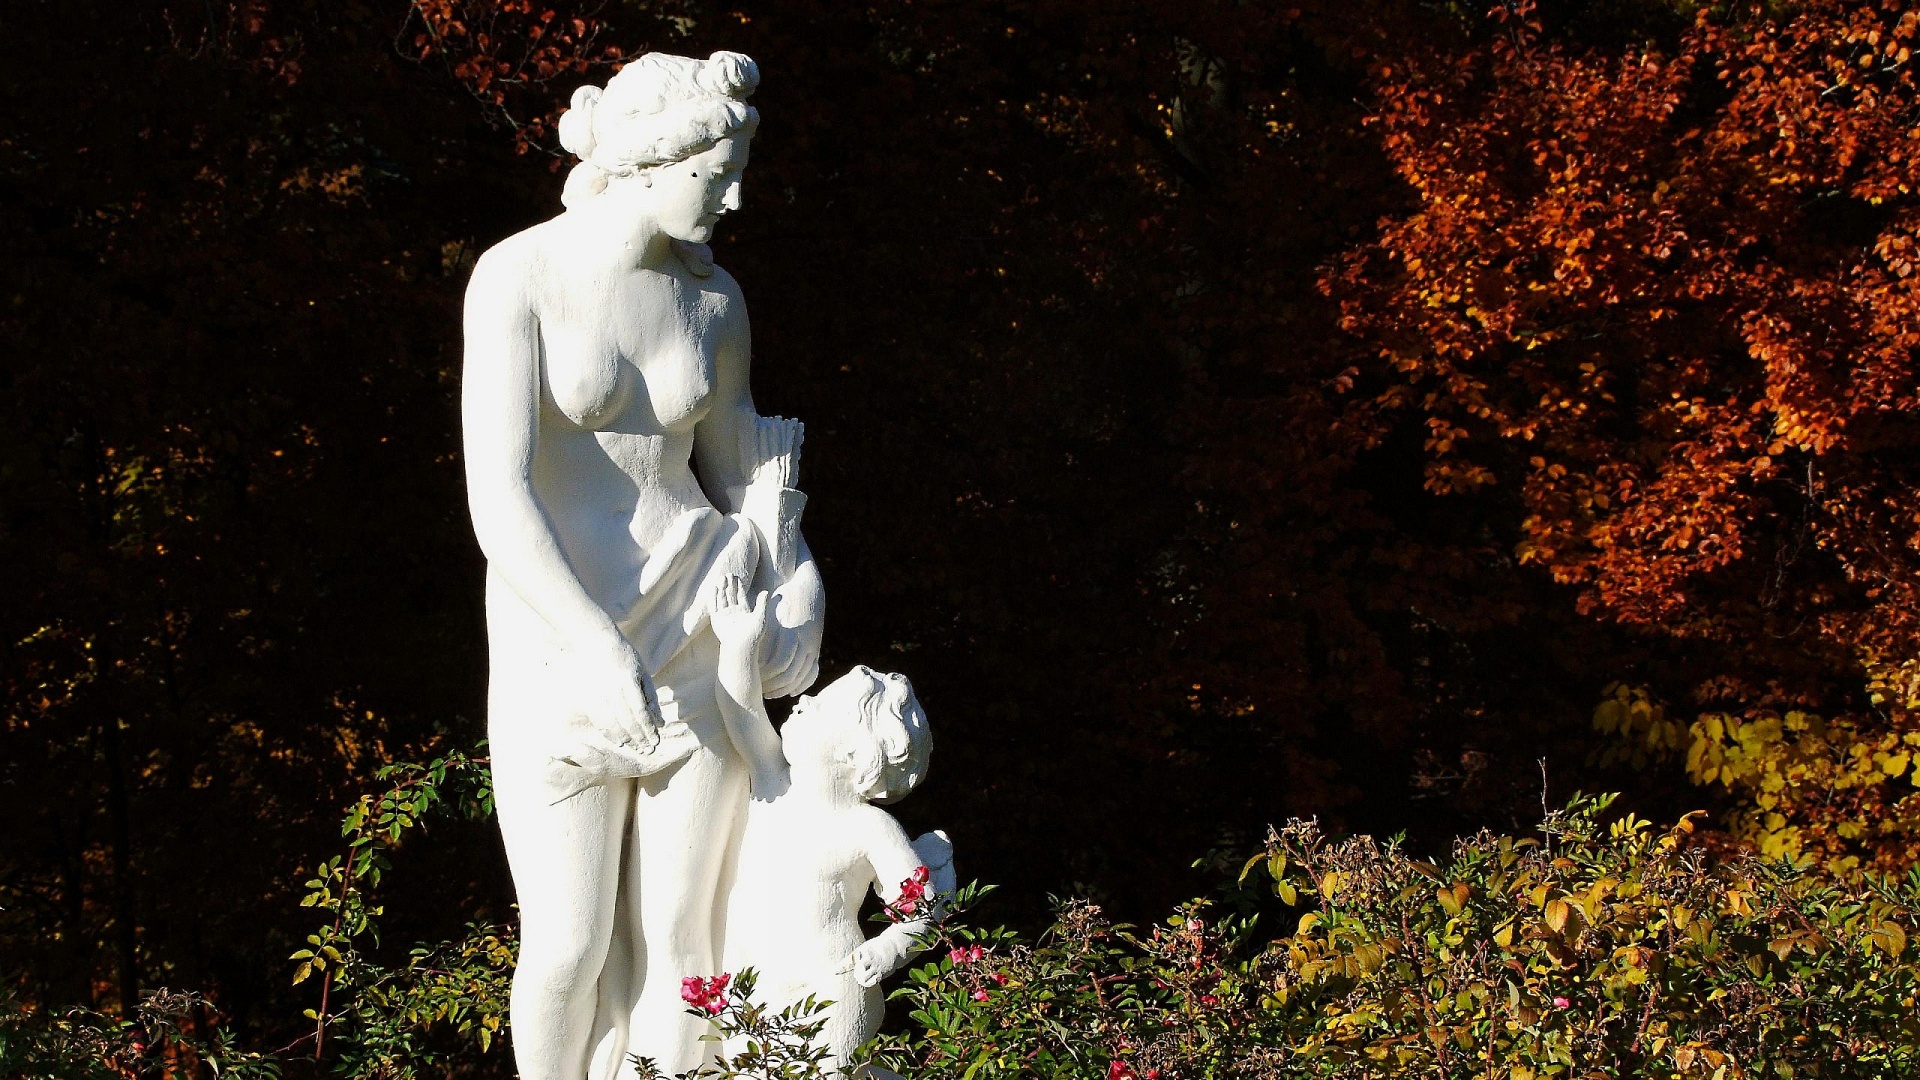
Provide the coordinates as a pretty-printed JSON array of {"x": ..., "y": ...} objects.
[
  {"x": 810, "y": 856},
  {"x": 647, "y": 584}
]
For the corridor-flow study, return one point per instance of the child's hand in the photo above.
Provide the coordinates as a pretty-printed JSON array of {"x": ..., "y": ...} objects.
[
  {"x": 874, "y": 960},
  {"x": 739, "y": 622}
]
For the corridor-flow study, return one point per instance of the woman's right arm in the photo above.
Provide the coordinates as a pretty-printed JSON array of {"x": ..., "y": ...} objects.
[{"x": 500, "y": 421}]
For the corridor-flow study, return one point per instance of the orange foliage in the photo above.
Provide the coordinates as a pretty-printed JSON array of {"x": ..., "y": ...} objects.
[
  {"x": 1668, "y": 297},
  {"x": 506, "y": 52}
]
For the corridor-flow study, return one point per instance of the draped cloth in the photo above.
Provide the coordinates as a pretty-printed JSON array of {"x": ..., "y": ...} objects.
[{"x": 699, "y": 548}]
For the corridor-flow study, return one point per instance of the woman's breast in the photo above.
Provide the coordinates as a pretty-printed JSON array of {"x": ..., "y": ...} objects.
[
  {"x": 599, "y": 386},
  {"x": 588, "y": 380}
]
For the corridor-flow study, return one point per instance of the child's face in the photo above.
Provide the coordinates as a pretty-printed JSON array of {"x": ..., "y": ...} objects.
[{"x": 816, "y": 723}]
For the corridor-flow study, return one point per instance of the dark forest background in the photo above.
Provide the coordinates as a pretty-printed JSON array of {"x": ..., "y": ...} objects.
[{"x": 1125, "y": 439}]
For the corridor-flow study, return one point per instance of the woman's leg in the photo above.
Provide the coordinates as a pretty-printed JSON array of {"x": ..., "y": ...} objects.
[
  {"x": 566, "y": 869},
  {"x": 684, "y": 821}
]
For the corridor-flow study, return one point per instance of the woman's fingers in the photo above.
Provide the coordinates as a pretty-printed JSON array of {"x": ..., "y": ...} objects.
[{"x": 635, "y": 713}]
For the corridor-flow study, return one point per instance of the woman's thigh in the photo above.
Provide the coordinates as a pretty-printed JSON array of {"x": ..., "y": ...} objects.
[
  {"x": 684, "y": 823},
  {"x": 565, "y": 857}
]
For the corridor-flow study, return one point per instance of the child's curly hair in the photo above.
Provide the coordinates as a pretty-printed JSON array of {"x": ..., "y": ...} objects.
[{"x": 892, "y": 760}]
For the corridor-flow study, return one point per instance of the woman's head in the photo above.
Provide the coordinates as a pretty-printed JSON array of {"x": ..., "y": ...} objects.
[
  {"x": 870, "y": 724},
  {"x": 658, "y": 120}
]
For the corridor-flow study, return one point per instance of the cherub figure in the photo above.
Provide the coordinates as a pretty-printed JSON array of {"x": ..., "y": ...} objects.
[{"x": 808, "y": 856}]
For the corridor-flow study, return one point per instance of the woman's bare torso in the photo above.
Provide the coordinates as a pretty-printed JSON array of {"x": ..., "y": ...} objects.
[{"x": 620, "y": 398}]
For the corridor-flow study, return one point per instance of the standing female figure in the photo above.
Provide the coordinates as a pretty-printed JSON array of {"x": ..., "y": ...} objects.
[{"x": 609, "y": 434}]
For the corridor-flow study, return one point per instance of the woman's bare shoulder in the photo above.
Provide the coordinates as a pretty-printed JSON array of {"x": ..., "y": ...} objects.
[{"x": 516, "y": 258}]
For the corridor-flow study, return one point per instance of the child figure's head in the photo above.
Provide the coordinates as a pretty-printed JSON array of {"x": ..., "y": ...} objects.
[{"x": 867, "y": 726}]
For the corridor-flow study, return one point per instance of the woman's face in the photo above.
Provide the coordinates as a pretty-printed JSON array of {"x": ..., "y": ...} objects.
[{"x": 689, "y": 195}]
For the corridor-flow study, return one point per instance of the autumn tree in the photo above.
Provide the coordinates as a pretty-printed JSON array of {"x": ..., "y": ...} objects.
[{"x": 1665, "y": 296}]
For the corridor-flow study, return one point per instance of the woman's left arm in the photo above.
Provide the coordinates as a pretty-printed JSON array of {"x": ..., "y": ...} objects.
[{"x": 723, "y": 458}]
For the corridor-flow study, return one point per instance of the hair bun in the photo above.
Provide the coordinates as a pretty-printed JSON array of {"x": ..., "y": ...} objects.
[
  {"x": 729, "y": 74},
  {"x": 576, "y": 124}
]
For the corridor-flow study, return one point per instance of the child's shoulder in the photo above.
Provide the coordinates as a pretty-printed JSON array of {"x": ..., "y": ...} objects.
[
  {"x": 802, "y": 816},
  {"x": 875, "y": 824}
]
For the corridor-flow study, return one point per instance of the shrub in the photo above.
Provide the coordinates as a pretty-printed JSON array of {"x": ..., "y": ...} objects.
[
  {"x": 1601, "y": 951},
  {"x": 169, "y": 1035},
  {"x": 1603, "y": 948}
]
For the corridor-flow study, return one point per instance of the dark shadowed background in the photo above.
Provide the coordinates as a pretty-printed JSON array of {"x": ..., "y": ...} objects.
[{"x": 1091, "y": 458}]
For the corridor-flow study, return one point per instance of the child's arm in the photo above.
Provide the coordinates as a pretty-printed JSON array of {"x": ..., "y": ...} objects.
[
  {"x": 899, "y": 870},
  {"x": 740, "y": 623}
]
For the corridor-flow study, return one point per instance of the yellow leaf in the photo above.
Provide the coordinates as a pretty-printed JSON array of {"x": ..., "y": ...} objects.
[
  {"x": 1891, "y": 937},
  {"x": 1557, "y": 914}
]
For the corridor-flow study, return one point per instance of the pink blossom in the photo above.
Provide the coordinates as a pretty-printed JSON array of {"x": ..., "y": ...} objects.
[
  {"x": 707, "y": 995},
  {"x": 979, "y": 995},
  {"x": 1120, "y": 1070},
  {"x": 1560, "y": 1002},
  {"x": 912, "y": 892}
]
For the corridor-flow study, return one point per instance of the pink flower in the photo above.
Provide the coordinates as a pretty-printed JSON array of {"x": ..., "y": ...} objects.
[
  {"x": 979, "y": 995},
  {"x": 912, "y": 891},
  {"x": 1000, "y": 977},
  {"x": 1120, "y": 1070},
  {"x": 967, "y": 955},
  {"x": 707, "y": 995},
  {"x": 1209, "y": 999},
  {"x": 1560, "y": 1002}
]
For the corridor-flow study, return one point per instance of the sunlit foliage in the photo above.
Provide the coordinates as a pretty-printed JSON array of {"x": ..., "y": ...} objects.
[{"x": 1665, "y": 294}]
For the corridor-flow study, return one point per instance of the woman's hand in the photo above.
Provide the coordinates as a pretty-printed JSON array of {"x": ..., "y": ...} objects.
[{"x": 617, "y": 694}]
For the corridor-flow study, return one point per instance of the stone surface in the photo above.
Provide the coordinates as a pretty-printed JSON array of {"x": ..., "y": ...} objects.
[{"x": 647, "y": 587}]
